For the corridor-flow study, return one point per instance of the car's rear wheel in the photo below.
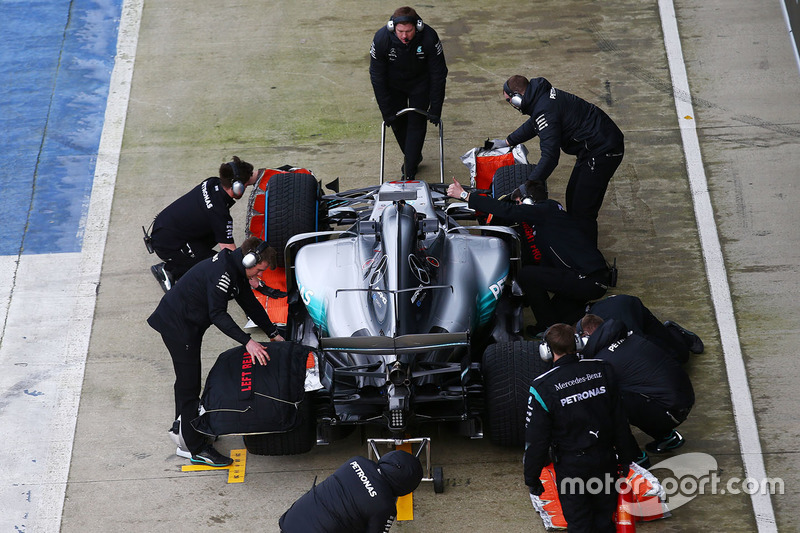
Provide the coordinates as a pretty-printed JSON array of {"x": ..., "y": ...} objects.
[
  {"x": 508, "y": 178},
  {"x": 508, "y": 369},
  {"x": 299, "y": 440}
]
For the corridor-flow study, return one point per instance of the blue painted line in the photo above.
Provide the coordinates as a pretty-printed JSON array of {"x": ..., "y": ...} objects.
[{"x": 56, "y": 58}]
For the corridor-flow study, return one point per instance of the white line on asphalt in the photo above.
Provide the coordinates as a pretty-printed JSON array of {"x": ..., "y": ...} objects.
[
  {"x": 47, "y": 322},
  {"x": 715, "y": 269},
  {"x": 791, "y": 33}
]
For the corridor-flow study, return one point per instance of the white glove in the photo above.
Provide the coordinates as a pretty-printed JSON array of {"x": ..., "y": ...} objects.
[{"x": 498, "y": 143}]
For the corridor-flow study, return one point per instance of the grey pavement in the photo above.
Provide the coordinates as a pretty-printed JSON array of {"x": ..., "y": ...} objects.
[{"x": 287, "y": 82}]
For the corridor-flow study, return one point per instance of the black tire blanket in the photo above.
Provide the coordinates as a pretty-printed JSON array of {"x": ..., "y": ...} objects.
[{"x": 243, "y": 398}]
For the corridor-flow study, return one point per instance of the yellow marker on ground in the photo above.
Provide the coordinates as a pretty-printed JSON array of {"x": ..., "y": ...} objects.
[
  {"x": 235, "y": 471},
  {"x": 405, "y": 504}
]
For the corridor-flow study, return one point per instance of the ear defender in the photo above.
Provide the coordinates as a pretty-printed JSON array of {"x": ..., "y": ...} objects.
[
  {"x": 514, "y": 98},
  {"x": 237, "y": 185},
  {"x": 253, "y": 258},
  {"x": 545, "y": 353},
  {"x": 418, "y": 25}
]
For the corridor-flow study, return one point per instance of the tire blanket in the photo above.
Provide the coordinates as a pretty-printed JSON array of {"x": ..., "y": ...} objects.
[
  {"x": 244, "y": 398},
  {"x": 647, "y": 498},
  {"x": 483, "y": 163}
]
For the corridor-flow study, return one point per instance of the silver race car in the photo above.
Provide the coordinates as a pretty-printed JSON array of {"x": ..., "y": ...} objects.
[{"x": 409, "y": 303}]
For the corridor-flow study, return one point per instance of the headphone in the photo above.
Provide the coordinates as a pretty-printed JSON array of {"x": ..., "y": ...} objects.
[
  {"x": 237, "y": 185},
  {"x": 515, "y": 98},
  {"x": 546, "y": 353},
  {"x": 253, "y": 258},
  {"x": 418, "y": 25},
  {"x": 523, "y": 193}
]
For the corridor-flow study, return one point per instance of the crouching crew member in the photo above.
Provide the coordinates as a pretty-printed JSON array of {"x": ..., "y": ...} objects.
[
  {"x": 574, "y": 408},
  {"x": 184, "y": 314},
  {"x": 187, "y": 230},
  {"x": 360, "y": 497},
  {"x": 656, "y": 391},
  {"x": 571, "y": 266},
  {"x": 669, "y": 335}
]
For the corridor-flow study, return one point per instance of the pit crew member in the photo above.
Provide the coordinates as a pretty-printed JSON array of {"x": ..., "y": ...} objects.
[
  {"x": 408, "y": 69},
  {"x": 360, "y": 497},
  {"x": 563, "y": 121},
  {"x": 575, "y": 409},
  {"x": 198, "y": 300},
  {"x": 186, "y": 231}
]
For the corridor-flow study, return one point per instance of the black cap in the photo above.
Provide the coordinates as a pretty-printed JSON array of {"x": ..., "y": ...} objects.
[{"x": 401, "y": 470}]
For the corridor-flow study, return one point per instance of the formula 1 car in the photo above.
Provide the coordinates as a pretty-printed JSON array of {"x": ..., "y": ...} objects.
[{"x": 410, "y": 307}]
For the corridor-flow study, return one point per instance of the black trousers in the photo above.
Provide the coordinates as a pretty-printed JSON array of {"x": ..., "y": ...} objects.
[
  {"x": 571, "y": 292},
  {"x": 178, "y": 262},
  {"x": 587, "y": 186},
  {"x": 652, "y": 417},
  {"x": 588, "y": 510},
  {"x": 187, "y": 365},
  {"x": 410, "y": 129}
]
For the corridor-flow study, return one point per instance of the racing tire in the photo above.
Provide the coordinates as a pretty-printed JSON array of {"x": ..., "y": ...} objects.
[
  {"x": 508, "y": 178},
  {"x": 294, "y": 442},
  {"x": 438, "y": 480},
  {"x": 292, "y": 207},
  {"x": 508, "y": 369}
]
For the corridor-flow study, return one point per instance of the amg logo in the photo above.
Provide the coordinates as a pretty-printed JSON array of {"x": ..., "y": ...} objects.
[
  {"x": 364, "y": 479},
  {"x": 206, "y": 197}
]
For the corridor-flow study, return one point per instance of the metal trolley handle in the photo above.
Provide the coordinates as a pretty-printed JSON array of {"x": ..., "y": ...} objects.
[{"x": 427, "y": 116}]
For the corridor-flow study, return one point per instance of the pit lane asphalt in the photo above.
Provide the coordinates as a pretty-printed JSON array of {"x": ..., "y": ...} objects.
[{"x": 290, "y": 85}]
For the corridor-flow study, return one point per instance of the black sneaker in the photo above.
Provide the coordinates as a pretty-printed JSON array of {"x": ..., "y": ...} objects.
[
  {"x": 694, "y": 342},
  {"x": 673, "y": 441},
  {"x": 211, "y": 457},
  {"x": 163, "y": 277}
]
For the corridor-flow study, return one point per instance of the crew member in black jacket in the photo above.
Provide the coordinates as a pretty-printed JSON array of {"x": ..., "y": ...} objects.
[
  {"x": 407, "y": 69},
  {"x": 670, "y": 336},
  {"x": 360, "y": 497},
  {"x": 565, "y": 122},
  {"x": 571, "y": 266},
  {"x": 187, "y": 230},
  {"x": 198, "y": 300},
  {"x": 657, "y": 393},
  {"x": 574, "y": 408}
]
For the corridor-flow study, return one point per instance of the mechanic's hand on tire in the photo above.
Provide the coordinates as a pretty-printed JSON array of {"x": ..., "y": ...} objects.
[{"x": 257, "y": 352}]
